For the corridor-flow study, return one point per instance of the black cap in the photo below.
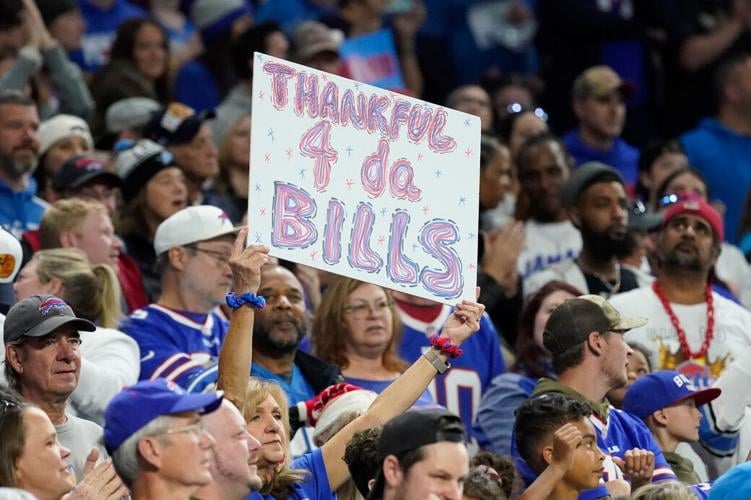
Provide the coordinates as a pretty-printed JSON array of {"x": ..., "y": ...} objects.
[
  {"x": 138, "y": 162},
  {"x": 81, "y": 170},
  {"x": 412, "y": 430},
  {"x": 175, "y": 124},
  {"x": 40, "y": 315},
  {"x": 584, "y": 176}
]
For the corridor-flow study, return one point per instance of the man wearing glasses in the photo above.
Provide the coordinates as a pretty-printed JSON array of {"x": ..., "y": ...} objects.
[
  {"x": 180, "y": 335},
  {"x": 155, "y": 434}
]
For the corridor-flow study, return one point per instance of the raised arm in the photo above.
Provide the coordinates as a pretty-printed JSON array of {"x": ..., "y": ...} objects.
[
  {"x": 402, "y": 393},
  {"x": 237, "y": 350}
]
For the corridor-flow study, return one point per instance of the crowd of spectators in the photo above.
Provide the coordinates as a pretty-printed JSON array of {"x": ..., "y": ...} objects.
[{"x": 150, "y": 352}]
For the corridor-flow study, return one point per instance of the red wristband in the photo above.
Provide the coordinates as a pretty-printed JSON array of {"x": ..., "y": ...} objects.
[{"x": 444, "y": 345}]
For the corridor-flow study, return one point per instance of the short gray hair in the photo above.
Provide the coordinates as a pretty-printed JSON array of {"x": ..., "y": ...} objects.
[{"x": 126, "y": 457}]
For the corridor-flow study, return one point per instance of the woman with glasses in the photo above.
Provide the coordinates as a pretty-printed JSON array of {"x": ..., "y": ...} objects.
[{"x": 357, "y": 327}]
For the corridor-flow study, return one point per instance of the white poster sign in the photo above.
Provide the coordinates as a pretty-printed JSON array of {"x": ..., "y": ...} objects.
[{"x": 364, "y": 182}]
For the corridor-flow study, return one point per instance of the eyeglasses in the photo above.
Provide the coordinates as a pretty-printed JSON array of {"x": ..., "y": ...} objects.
[
  {"x": 361, "y": 310},
  {"x": 516, "y": 108},
  {"x": 196, "y": 429},
  {"x": 672, "y": 198},
  {"x": 222, "y": 258},
  {"x": 5, "y": 406}
]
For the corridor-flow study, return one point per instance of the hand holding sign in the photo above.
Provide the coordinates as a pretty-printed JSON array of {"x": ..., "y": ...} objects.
[{"x": 363, "y": 182}]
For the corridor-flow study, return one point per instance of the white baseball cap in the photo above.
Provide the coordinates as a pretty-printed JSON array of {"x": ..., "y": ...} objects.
[
  {"x": 60, "y": 127},
  {"x": 11, "y": 256},
  {"x": 191, "y": 225}
]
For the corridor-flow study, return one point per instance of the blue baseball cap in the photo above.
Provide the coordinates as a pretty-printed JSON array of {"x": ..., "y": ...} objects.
[
  {"x": 661, "y": 389},
  {"x": 139, "y": 404},
  {"x": 735, "y": 484}
]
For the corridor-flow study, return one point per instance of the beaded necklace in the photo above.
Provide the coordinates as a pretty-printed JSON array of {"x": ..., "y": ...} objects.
[{"x": 679, "y": 329}]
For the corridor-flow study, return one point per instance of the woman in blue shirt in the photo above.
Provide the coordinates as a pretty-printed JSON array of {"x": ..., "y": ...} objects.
[{"x": 357, "y": 327}]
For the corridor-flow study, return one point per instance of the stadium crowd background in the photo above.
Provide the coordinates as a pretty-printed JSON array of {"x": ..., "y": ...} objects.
[{"x": 607, "y": 355}]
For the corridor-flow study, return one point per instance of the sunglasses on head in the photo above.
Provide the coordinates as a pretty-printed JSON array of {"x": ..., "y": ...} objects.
[
  {"x": 515, "y": 108},
  {"x": 673, "y": 198}
]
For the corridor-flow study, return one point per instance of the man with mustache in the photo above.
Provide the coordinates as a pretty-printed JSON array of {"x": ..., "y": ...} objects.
[
  {"x": 696, "y": 331},
  {"x": 277, "y": 332},
  {"x": 20, "y": 209},
  {"x": 595, "y": 198}
]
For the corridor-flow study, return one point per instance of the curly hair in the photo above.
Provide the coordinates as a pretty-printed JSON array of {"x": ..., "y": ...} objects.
[
  {"x": 538, "y": 418},
  {"x": 361, "y": 457},
  {"x": 479, "y": 484},
  {"x": 511, "y": 482}
]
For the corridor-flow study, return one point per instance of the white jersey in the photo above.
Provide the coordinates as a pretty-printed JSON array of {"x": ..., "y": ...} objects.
[
  {"x": 735, "y": 272},
  {"x": 547, "y": 243},
  {"x": 732, "y": 339}
]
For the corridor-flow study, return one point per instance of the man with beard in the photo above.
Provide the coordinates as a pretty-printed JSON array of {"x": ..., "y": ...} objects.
[
  {"x": 696, "y": 331},
  {"x": 181, "y": 334},
  {"x": 20, "y": 209},
  {"x": 595, "y": 197},
  {"x": 549, "y": 236},
  {"x": 584, "y": 336},
  {"x": 277, "y": 332}
]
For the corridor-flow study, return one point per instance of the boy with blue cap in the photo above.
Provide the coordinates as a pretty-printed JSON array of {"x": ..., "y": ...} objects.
[
  {"x": 668, "y": 403},
  {"x": 158, "y": 444}
]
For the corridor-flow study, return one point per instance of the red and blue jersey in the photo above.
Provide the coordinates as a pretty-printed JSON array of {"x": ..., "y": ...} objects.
[
  {"x": 179, "y": 346},
  {"x": 462, "y": 386}
]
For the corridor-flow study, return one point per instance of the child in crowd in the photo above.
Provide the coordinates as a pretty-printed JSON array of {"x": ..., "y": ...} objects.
[
  {"x": 668, "y": 404},
  {"x": 557, "y": 440}
]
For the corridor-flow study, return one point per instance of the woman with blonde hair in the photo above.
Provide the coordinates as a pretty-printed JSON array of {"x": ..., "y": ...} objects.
[
  {"x": 357, "y": 327},
  {"x": 110, "y": 360},
  {"x": 315, "y": 475}
]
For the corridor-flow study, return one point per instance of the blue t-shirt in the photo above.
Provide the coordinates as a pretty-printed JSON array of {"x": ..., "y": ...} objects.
[
  {"x": 101, "y": 26},
  {"x": 494, "y": 425},
  {"x": 378, "y": 386},
  {"x": 724, "y": 159},
  {"x": 196, "y": 87},
  {"x": 462, "y": 386},
  {"x": 290, "y": 13},
  {"x": 297, "y": 389},
  {"x": 315, "y": 486},
  {"x": 622, "y": 156},
  {"x": 21, "y": 211},
  {"x": 177, "y": 345}
]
